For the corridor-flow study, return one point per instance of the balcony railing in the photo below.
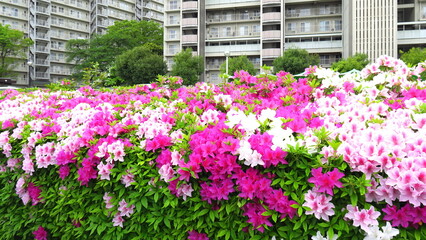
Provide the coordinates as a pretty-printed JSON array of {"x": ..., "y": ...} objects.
[
  {"x": 219, "y": 50},
  {"x": 42, "y": 62},
  {"x": 42, "y": 75},
  {"x": 189, "y": 5},
  {"x": 189, "y": 39},
  {"x": 409, "y": 31},
  {"x": 314, "y": 11},
  {"x": 272, "y": 16},
  {"x": 42, "y": 36},
  {"x": 317, "y": 44},
  {"x": 232, "y": 34},
  {"x": 271, "y": 52},
  {"x": 233, "y": 17},
  {"x": 189, "y": 22},
  {"x": 41, "y": 10},
  {"x": 42, "y": 49},
  {"x": 43, "y": 23},
  {"x": 271, "y": 1},
  {"x": 271, "y": 35}
]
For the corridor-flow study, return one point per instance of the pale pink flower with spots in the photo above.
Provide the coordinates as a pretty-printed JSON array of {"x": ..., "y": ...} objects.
[
  {"x": 364, "y": 218},
  {"x": 105, "y": 170}
]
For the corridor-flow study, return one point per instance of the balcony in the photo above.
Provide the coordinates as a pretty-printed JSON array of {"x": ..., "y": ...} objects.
[
  {"x": 247, "y": 49},
  {"x": 42, "y": 75},
  {"x": 189, "y": 39},
  {"x": 272, "y": 17},
  {"x": 271, "y": 52},
  {"x": 411, "y": 33},
  {"x": 42, "y": 23},
  {"x": 42, "y": 62},
  {"x": 189, "y": 22},
  {"x": 42, "y": 36},
  {"x": 236, "y": 3},
  {"x": 42, "y": 49},
  {"x": 42, "y": 10},
  {"x": 271, "y": 35},
  {"x": 190, "y": 6},
  {"x": 265, "y": 2},
  {"x": 317, "y": 45}
]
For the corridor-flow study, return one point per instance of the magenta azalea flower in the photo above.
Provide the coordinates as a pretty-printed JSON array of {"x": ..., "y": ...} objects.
[
  {"x": 40, "y": 234},
  {"x": 327, "y": 181}
]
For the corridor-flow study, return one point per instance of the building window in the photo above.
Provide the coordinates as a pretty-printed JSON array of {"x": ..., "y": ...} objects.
[
  {"x": 227, "y": 31},
  {"x": 324, "y": 26},
  {"x": 325, "y": 9},
  {"x": 424, "y": 12},
  {"x": 172, "y": 49},
  {"x": 325, "y": 59},
  {"x": 54, "y": 9},
  {"x": 244, "y": 15},
  {"x": 305, "y": 12},
  {"x": 338, "y": 25},
  {"x": 256, "y": 29},
  {"x": 305, "y": 27},
  {"x": 61, "y": 10},
  {"x": 244, "y": 30},
  {"x": 214, "y": 32},
  {"x": 172, "y": 34},
  {"x": 291, "y": 12},
  {"x": 173, "y": 5},
  {"x": 228, "y": 16},
  {"x": 291, "y": 27}
]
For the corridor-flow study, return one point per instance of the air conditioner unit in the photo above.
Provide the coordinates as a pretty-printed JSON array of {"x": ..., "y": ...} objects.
[
  {"x": 332, "y": 29},
  {"x": 331, "y": 12},
  {"x": 211, "y": 20}
]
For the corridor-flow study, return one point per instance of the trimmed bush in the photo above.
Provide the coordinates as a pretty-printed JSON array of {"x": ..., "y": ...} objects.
[{"x": 260, "y": 158}]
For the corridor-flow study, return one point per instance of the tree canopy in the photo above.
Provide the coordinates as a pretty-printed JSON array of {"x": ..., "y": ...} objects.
[
  {"x": 13, "y": 45},
  {"x": 413, "y": 56},
  {"x": 238, "y": 63},
  {"x": 357, "y": 61},
  {"x": 187, "y": 66},
  {"x": 120, "y": 37},
  {"x": 140, "y": 65},
  {"x": 295, "y": 60}
]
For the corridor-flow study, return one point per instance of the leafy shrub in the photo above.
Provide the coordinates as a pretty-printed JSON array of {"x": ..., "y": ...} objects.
[{"x": 258, "y": 158}]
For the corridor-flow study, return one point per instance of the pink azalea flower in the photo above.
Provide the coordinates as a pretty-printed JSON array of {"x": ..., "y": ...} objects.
[
  {"x": 105, "y": 170},
  {"x": 364, "y": 218},
  {"x": 124, "y": 209},
  {"x": 118, "y": 220},
  {"x": 320, "y": 205},
  {"x": 327, "y": 181},
  {"x": 107, "y": 199},
  {"x": 127, "y": 179}
]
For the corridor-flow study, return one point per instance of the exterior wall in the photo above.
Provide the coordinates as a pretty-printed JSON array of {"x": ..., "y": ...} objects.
[
  {"x": 51, "y": 23},
  {"x": 374, "y": 27}
]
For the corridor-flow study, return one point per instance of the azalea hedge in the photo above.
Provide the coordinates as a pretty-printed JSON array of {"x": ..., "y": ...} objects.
[{"x": 327, "y": 156}]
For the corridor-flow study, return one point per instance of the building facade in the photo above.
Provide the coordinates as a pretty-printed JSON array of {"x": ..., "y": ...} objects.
[
  {"x": 51, "y": 23},
  {"x": 263, "y": 29}
]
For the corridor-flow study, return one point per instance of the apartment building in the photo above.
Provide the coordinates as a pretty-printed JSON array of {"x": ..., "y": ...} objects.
[
  {"x": 51, "y": 23},
  {"x": 263, "y": 29}
]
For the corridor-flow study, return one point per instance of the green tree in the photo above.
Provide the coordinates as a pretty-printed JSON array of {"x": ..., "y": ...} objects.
[
  {"x": 13, "y": 46},
  {"x": 238, "y": 63},
  {"x": 140, "y": 65},
  {"x": 413, "y": 56},
  {"x": 357, "y": 61},
  {"x": 295, "y": 60},
  {"x": 187, "y": 66},
  {"x": 119, "y": 38}
]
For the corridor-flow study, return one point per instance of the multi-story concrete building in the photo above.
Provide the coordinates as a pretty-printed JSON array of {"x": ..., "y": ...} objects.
[
  {"x": 263, "y": 29},
  {"x": 51, "y": 23}
]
